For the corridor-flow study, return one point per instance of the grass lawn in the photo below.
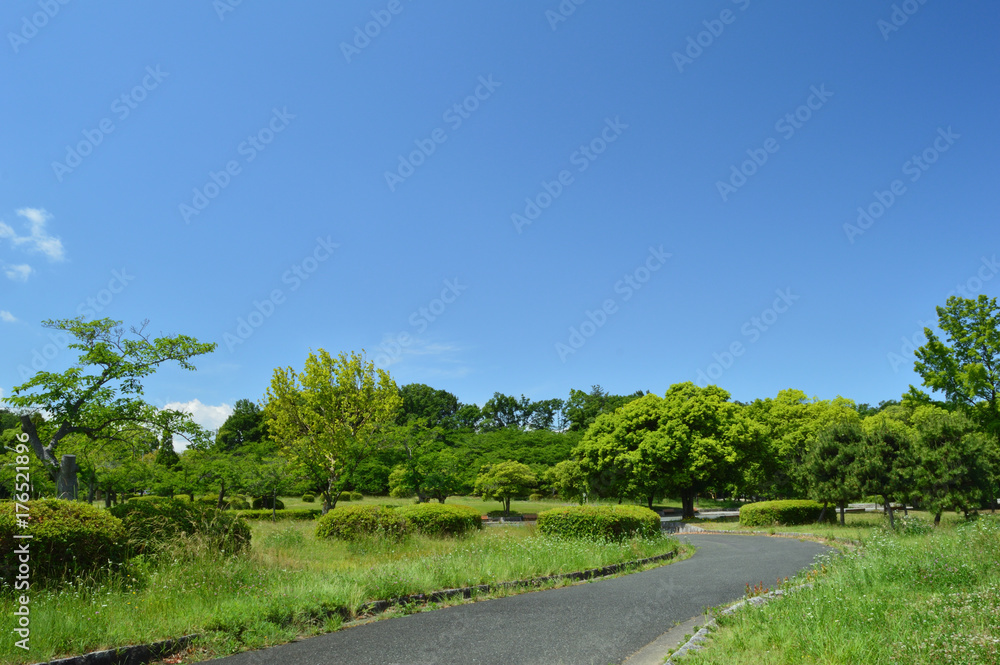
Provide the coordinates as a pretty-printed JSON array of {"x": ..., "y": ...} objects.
[
  {"x": 918, "y": 597},
  {"x": 290, "y": 584}
]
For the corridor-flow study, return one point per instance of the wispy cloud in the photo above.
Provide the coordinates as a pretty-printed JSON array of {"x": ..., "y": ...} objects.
[
  {"x": 429, "y": 359},
  {"x": 38, "y": 239},
  {"x": 206, "y": 415},
  {"x": 7, "y": 317},
  {"x": 18, "y": 273}
]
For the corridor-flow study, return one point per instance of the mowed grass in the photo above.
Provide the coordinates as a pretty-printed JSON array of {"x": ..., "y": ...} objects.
[
  {"x": 857, "y": 526},
  {"x": 911, "y": 598},
  {"x": 290, "y": 584}
]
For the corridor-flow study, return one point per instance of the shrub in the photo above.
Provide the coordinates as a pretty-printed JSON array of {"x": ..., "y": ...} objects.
[
  {"x": 344, "y": 496},
  {"x": 69, "y": 538},
  {"x": 262, "y": 502},
  {"x": 500, "y": 513},
  {"x": 435, "y": 519},
  {"x": 600, "y": 522},
  {"x": 357, "y": 496},
  {"x": 150, "y": 524},
  {"x": 289, "y": 514},
  {"x": 536, "y": 497},
  {"x": 787, "y": 513},
  {"x": 308, "y": 498},
  {"x": 354, "y": 522}
]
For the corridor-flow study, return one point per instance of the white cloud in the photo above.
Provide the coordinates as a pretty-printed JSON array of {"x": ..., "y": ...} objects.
[
  {"x": 7, "y": 317},
  {"x": 38, "y": 239},
  {"x": 18, "y": 273},
  {"x": 206, "y": 415}
]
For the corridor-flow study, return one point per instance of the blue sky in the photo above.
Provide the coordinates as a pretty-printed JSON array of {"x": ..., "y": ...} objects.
[{"x": 523, "y": 198}]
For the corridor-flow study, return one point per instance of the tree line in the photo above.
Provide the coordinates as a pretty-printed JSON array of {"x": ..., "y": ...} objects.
[{"x": 340, "y": 424}]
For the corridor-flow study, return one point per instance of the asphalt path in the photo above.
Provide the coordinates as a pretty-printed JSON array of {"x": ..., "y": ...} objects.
[{"x": 599, "y": 623}]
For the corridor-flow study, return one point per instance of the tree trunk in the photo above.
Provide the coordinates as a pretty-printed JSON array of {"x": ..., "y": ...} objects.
[
  {"x": 222, "y": 494},
  {"x": 274, "y": 504},
  {"x": 91, "y": 490},
  {"x": 843, "y": 509},
  {"x": 649, "y": 501},
  {"x": 822, "y": 514},
  {"x": 66, "y": 484},
  {"x": 687, "y": 503},
  {"x": 892, "y": 520},
  {"x": 937, "y": 518}
]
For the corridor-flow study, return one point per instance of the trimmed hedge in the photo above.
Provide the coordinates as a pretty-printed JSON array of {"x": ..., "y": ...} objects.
[
  {"x": 354, "y": 522},
  {"x": 149, "y": 524},
  {"x": 308, "y": 498},
  {"x": 262, "y": 502},
  {"x": 500, "y": 513},
  {"x": 600, "y": 522},
  {"x": 436, "y": 519},
  {"x": 787, "y": 513},
  {"x": 69, "y": 538},
  {"x": 286, "y": 514}
]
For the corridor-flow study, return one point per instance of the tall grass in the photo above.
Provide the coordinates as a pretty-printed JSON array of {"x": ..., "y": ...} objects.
[
  {"x": 923, "y": 596},
  {"x": 290, "y": 584}
]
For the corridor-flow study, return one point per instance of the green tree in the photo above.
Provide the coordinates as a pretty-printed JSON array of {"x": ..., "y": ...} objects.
[
  {"x": 569, "y": 480},
  {"x": 966, "y": 366},
  {"x": 331, "y": 416},
  {"x": 437, "y": 407},
  {"x": 582, "y": 409},
  {"x": 244, "y": 425},
  {"x": 100, "y": 396},
  {"x": 832, "y": 465},
  {"x": 505, "y": 481},
  {"x": 885, "y": 461}
]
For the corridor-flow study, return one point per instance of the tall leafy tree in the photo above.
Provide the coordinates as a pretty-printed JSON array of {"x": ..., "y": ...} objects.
[
  {"x": 832, "y": 465},
  {"x": 331, "y": 416},
  {"x": 436, "y": 407},
  {"x": 505, "y": 481},
  {"x": 245, "y": 425},
  {"x": 965, "y": 366},
  {"x": 582, "y": 409},
  {"x": 100, "y": 397}
]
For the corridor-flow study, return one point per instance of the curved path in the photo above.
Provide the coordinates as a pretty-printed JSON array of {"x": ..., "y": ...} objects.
[{"x": 588, "y": 624}]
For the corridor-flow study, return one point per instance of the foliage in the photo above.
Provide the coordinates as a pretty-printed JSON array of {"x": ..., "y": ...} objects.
[
  {"x": 569, "y": 481},
  {"x": 440, "y": 520},
  {"x": 68, "y": 539},
  {"x": 832, "y": 465},
  {"x": 788, "y": 512},
  {"x": 504, "y": 481},
  {"x": 285, "y": 514},
  {"x": 267, "y": 503},
  {"x": 612, "y": 523},
  {"x": 308, "y": 498},
  {"x": 245, "y": 425},
  {"x": 437, "y": 408},
  {"x": 151, "y": 524},
  {"x": 331, "y": 416},
  {"x": 355, "y": 522},
  {"x": 100, "y": 396},
  {"x": 582, "y": 409}
]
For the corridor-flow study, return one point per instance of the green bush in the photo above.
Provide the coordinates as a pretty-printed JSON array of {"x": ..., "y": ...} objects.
[
  {"x": 288, "y": 514},
  {"x": 357, "y": 496},
  {"x": 500, "y": 513},
  {"x": 436, "y": 519},
  {"x": 354, "y": 522},
  {"x": 600, "y": 522},
  {"x": 150, "y": 524},
  {"x": 536, "y": 497},
  {"x": 69, "y": 538},
  {"x": 787, "y": 513},
  {"x": 308, "y": 498},
  {"x": 344, "y": 496},
  {"x": 262, "y": 502}
]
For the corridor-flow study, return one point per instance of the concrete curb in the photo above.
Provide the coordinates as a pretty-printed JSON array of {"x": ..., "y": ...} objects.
[
  {"x": 144, "y": 653},
  {"x": 697, "y": 640}
]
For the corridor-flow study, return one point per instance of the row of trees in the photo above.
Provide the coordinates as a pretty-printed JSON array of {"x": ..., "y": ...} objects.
[{"x": 341, "y": 424}]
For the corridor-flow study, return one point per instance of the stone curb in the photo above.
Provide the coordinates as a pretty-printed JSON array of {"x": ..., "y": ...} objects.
[
  {"x": 131, "y": 655},
  {"x": 144, "y": 653},
  {"x": 697, "y": 640}
]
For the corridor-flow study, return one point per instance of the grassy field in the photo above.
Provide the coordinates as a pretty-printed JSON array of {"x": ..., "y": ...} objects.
[
  {"x": 857, "y": 525},
  {"x": 916, "y": 597},
  {"x": 291, "y": 584}
]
